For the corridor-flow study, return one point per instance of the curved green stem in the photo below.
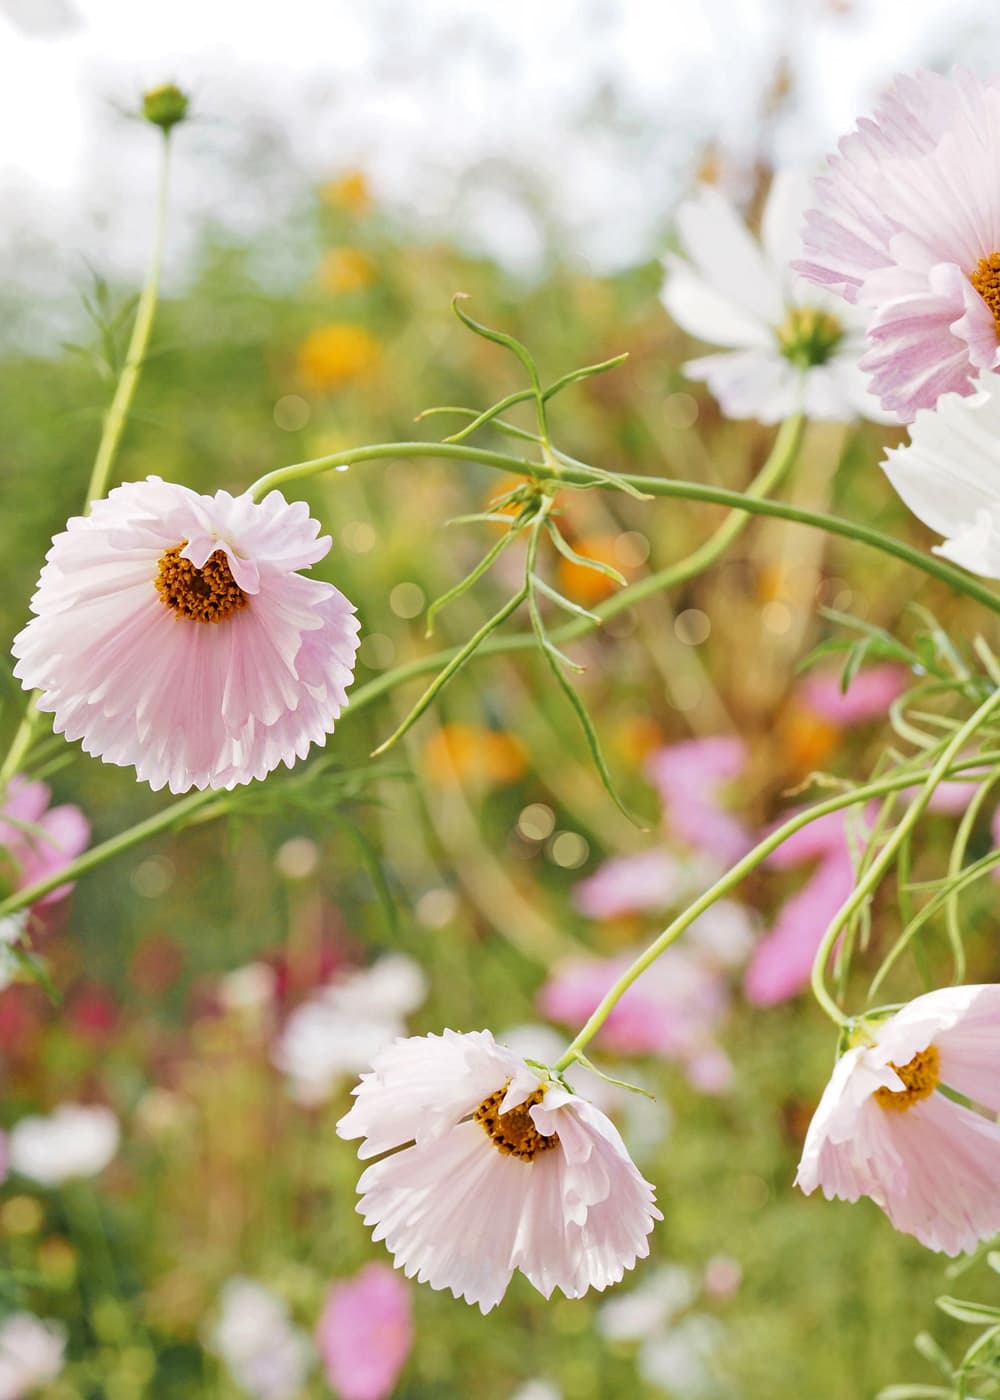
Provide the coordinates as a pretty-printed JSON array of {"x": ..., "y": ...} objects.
[
  {"x": 579, "y": 475},
  {"x": 118, "y": 410},
  {"x": 740, "y": 870},
  {"x": 885, "y": 857}
]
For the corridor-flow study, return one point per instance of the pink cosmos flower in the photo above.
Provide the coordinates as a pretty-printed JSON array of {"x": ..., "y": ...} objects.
[
  {"x": 689, "y": 777},
  {"x": 365, "y": 1333},
  {"x": 505, "y": 1169},
  {"x": 627, "y": 884},
  {"x": 38, "y": 839},
  {"x": 908, "y": 225},
  {"x": 868, "y": 696},
  {"x": 782, "y": 962},
  {"x": 883, "y": 1130},
  {"x": 173, "y": 632}
]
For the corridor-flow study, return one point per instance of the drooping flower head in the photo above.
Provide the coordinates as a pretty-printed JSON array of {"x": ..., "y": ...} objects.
[
  {"x": 505, "y": 1169},
  {"x": 173, "y": 632},
  {"x": 789, "y": 347},
  {"x": 884, "y": 1129},
  {"x": 365, "y": 1333},
  {"x": 37, "y": 840},
  {"x": 908, "y": 226}
]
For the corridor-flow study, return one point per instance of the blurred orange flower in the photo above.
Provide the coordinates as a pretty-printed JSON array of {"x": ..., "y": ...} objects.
[
  {"x": 346, "y": 270},
  {"x": 349, "y": 191},
  {"x": 807, "y": 740},
  {"x": 584, "y": 585},
  {"x": 474, "y": 754},
  {"x": 336, "y": 354}
]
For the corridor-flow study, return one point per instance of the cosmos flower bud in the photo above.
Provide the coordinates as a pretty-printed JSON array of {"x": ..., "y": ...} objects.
[{"x": 165, "y": 106}]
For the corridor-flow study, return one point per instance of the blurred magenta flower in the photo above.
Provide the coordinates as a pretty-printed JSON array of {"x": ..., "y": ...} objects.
[
  {"x": 908, "y": 226},
  {"x": 782, "y": 961},
  {"x": 884, "y": 1130},
  {"x": 365, "y": 1333},
  {"x": 38, "y": 839},
  {"x": 868, "y": 696},
  {"x": 690, "y": 778},
  {"x": 785, "y": 351},
  {"x": 174, "y": 633},
  {"x": 491, "y": 1167}
]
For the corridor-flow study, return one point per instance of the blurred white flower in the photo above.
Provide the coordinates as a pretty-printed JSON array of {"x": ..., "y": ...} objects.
[
  {"x": 648, "y": 1308},
  {"x": 76, "y": 1140},
  {"x": 340, "y": 1030},
  {"x": 31, "y": 1353},
  {"x": 266, "y": 1355},
  {"x": 11, "y": 929},
  {"x": 248, "y": 988},
  {"x": 790, "y": 346},
  {"x": 537, "y": 1390},
  {"x": 681, "y": 1360}
]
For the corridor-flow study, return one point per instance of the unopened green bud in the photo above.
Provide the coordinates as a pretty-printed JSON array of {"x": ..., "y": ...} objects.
[{"x": 165, "y": 106}]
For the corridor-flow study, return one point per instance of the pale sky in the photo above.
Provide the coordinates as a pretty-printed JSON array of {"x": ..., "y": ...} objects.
[{"x": 458, "y": 109}]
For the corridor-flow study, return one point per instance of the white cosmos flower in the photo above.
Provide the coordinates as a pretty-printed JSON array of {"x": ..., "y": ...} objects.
[
  {"x": 77, "y": 1140},
  {"x": 341, "y": 1029},
  {"x": 267, "y": 1356},
  {"x": 789, "y": 346},
  {"x": 498, "y": 1167},
  {"x": 949, "y": 475},
  {"x": 31, "y": 1353}
]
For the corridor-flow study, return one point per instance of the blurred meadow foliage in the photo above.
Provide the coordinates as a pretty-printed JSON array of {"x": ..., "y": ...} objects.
[{"x": 461, "y": 847}]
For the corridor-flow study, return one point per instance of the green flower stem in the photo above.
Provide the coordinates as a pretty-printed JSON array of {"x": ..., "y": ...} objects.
[
  {"x": 576, "y": 474},
  {"x": 885, "y": 857},
  {"x": 111, "y": 432},
  {"x": 135, "y": 356},
  {"x": 180, "y": 811},
  {"x": 749, "y": 863}
]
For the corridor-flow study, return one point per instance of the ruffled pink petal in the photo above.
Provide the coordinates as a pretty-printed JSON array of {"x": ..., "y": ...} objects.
[
  {"x": 782, "y": 962},
  {"x": 868, "y": 696},
  {"x": 629, "y": 884}
]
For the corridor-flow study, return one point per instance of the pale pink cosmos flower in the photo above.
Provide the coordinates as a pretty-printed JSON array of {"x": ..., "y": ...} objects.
[
  {"x": 787, "y": 346},
  {"x": 884, "y": 1130},
  {"x": 908, "y": 226},
  {"x": 652, "y": 879},
  {"x": 675, "y": 1008},
  {"x": 174, "y": 633},
  {"x": 38, "y": 840},
  {"x": 365, "y": 1333},
  {"x": 31, "y": 1354},
  {"x": 494, "y": 1166}
]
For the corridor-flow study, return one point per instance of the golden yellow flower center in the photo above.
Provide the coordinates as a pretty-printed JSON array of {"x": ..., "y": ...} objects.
[
  {"x": 986, "y": 280},
  {"x": 809, "y": 336},
  {"x": 920, "y": 1075},
  {"x": 514, "y": 1132},
  {"x": 209, "y": 594}
]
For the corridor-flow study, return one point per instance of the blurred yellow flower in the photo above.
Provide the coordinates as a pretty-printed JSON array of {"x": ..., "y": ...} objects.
[
  {"x": 346, "y": 270},
  {"x": 336, "y": 354},
  {"x": 474, "y": 754},
  {"x": 349, "y": 191}
]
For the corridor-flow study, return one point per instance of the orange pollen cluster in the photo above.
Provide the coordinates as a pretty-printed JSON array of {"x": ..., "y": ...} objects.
[
  {"x": 921, "y": 1076},
  {"x": 210, "y": 594},
  {"x": 986, "y": 280},
  {"x": 514, "y": 1132}
]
